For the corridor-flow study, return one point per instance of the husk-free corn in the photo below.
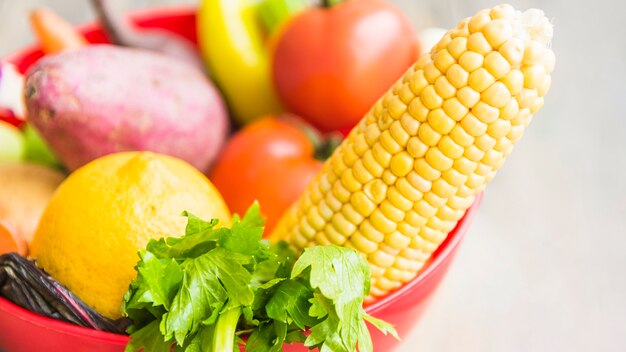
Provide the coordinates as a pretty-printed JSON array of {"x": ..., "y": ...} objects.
[{"x": 408, "y": 171}]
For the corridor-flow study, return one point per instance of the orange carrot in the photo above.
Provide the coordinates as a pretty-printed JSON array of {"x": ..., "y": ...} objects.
[
  {"x": 54, "y": 33},
  {"x": 10, "y": 242}
]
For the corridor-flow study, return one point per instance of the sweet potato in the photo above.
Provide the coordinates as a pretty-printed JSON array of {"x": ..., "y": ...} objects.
[{"x": 101, "y": 99}]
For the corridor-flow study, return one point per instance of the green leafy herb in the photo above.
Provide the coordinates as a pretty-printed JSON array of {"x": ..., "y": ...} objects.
[{"x": 200, "y": 292}]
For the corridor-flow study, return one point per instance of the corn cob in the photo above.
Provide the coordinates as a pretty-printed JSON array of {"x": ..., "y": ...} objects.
[{"x": 409, "y": 170}]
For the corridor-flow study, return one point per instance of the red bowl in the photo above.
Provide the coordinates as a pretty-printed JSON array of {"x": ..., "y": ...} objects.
[{"x": 22, "y": 330}]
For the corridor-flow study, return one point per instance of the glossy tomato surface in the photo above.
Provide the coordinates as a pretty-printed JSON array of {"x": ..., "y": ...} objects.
[{"x": 332, "y": 64}]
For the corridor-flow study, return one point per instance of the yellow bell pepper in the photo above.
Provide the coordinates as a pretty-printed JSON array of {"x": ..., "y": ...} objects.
[{"x": 233, "y": 43}]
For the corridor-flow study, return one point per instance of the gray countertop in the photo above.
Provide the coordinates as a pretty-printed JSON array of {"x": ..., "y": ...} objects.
[{"x": 543, "y": 267}]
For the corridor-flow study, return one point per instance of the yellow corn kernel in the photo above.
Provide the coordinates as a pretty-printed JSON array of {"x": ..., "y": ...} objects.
[
  {"x": 409, "y": 124},
  {"x": 478, "y": 21},
  {"x": 457, "y": 47},
  {"x": 457, "y": 202},
  {"x": 371, "y": 165},
  {"x": 545, "y": 86},
  {"x": 484, "y": 142},
  {"x": 360, "y": 172},
  {"x": 534, "y": 53},
  {"x": 417, "y": 181},
  {"x": 478, "y": 44},
  {"x": 503, "y": 11},
  {"x": 363, "y": 204},
  {"x": 449, "y": 148},
  {"x": 340, "y": 192},
  {"x": 461, "y": 137},
  {"x": 442, "y": 43},
  {"x": 351, "y": 214},
  {"x": 454, "y": 177},
  {"x": 464, "y": 165},
  {"x": 389, "y": 178},
  {"x": 376, "y": 191},
  {"x": 397, "y": 240},
  {"x": 513, "y": 51},
  {"x": 430, "y": 234},
  {"x": 391, "y": 212},
  {"x": 457, "y": 76},
  {"x": 440, "y": 122},
  {"x": 398, "y": 133},
  {"x": 499, "y": 128},
  {"x": 443, "y": 189},
  {"x": 426, "y": 171},
  {"x": 510, "y": 110},
  {"x": 332, "y": 202},
  {"x": 483, "y": 169},
  {"x": 536, "y": 106},
  {"x": 418, "y": 82},
  {"x": 384, "y": 121},
  {"x": 350, "y": 157},
  {"x": 362, "y": 244},
  {"x": 492, "y": 157},
  {"x": 497, "y": 32},
  {"x": 455, "y": 109},
  {"x": 398, "y": 200},
  {"x": 342, "y": 225},
  {"x": 315, "y": 219},
  {"x": 382, "y": 259},
  {"x": 428, "y": 135},
  {"x": 381, "y": 223},
  {"x": 443, "y": 88},
  {"x": 370, "y": 232},
  {"x": 514, "y": 81},
  {"x": 418, "y": 110},
  {"x": 325, "y": 211},
  {"x": 515, "y": 133},
  {"x": 474, "y": 181},
  {"x": 364, "y": 141},
  {"x": 471, "y": 61},
  {"x": 448, "y": 214},
  {"x": 497, "y": 65},
  {"x": 433, "y": 199},
  {"x": 461, "y": 29},
  {"x": 381, "y": 155},
  {"x": 473, "y": 153},
  {"x": 480, "y": 80},
  {"x": 497, "y": 95},
  {"x": 334, "y": 236},
  {"x": 416, "y": 147},
  {"x": 406, "y": 94},
  {"x": 473, "y": 126},
  {"x": 468, "y": 97},
  {"x": 430, "y": 98},
  {"x": 534, "y": 76},
  {"x": 438, "y": 160},
  {"x": 443, "y": 60},
  {"x": 401, "y": 164},
  {"x": 485, "y": 112},
  {"x": 526, "y": 98},
  {"x": 431, "y": 73},
  {"x": 396, "y": 107},
  {"x": 349, "y": 182},
  {"x": 413, "y": 218},
  {"x": 407, "y": 191},
  {"x": 424, "y": 209}
]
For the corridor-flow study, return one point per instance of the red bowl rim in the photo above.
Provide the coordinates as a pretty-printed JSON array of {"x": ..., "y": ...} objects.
[{"x": 442, "y": 253}]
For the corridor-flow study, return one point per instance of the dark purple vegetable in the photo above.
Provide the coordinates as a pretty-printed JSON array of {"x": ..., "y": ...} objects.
[{"x": 24, "y": 284}]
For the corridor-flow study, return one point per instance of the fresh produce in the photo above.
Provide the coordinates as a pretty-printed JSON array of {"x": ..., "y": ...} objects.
[
  {"x": 25, "y": 190},
  {"x": 35, "y": 148},
  {"x": 10, "y": 242},
  {"x": 11, "y": 143},
  {"x": 204, "y": 289},
  {"x": 278, "y": 159},
  {"x": 406, "y": 174},
  {"x": 120, "y": 32},
  {"x": 234, "y": 47},
  {"x": 105, "y": 212},
  {"x": 102, "y": 99},
  {"x": 54, "y": 33},
  {"x": 331, "y": 64},
  {"x": 24, "y": 284},
  {"x": 12, "y": 108}
]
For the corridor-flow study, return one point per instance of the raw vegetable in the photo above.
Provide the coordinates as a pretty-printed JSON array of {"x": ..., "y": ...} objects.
[
  {"x": 11, "y": 143},
  {"x": 54, "y": 33},
  {"x": 412, "y": 166},
  {"x": 121, "y": 32},
  {"x": 24, "y": 284},
  {"x": 234, "y": 47},
  {"x": 279, "y": 161},
  {"x": 331, "y": 64},
  {"x": 102, "y": 99},
  {"x": 24, "y": 193},
  {"x": 10, "y": 242},
  {"x": 36, "y": 149},
  {"x": 206, "y": 289}
]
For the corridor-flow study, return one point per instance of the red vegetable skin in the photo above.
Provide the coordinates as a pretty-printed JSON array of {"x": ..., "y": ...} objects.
[
  {"x": 271, "y": 161},
  {"x": 330, "y": 65}
]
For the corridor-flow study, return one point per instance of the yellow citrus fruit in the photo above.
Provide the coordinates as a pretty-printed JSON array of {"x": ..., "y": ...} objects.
[{"x": 103, "y": 213}]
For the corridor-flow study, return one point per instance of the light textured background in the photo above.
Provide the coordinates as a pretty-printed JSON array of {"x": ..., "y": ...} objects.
[{"x": 544, "y": 265}]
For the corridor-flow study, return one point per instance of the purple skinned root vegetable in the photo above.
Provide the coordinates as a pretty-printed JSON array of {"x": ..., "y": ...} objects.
[{"x": 102, "y": 99}]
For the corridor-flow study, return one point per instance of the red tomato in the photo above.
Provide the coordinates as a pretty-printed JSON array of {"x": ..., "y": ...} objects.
[
  {"x": 330, "y": 65},
  {"x": 271, "y": 161}
]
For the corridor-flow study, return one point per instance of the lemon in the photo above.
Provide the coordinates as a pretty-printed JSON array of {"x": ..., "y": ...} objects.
[{"x": 105, "y": 212}]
